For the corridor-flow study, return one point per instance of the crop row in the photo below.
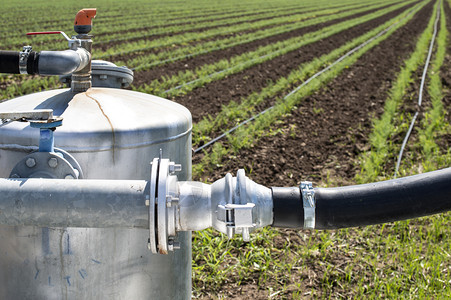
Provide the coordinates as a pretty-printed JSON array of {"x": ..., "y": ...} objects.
[
  {"x": 147, "y": 60},
  {"x": 152, "y": 22},
  {"x": 25, "y": 87},
  {"x": 207, "y": 73},
  {"x": 397, "y": 260},
  {"x": 383, "y": 150},
  {"x": 247, "y": 136}
]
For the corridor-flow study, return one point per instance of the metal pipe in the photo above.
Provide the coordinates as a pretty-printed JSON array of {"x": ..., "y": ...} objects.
[
  {"x": 74, "y": 203},
  {"x": 230, "y": 205},
  {"x": 63, "y": 62},
  {"x": 45, "y": 62}
]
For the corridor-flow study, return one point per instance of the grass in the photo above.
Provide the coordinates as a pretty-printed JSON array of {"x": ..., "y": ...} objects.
[{"x": 402, "y": 260}]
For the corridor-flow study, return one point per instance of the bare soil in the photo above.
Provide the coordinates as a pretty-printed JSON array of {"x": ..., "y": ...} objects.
[
  {"x": 104, "y": 46},
  {"x": 210, "y": 98},
  {"x": 322, "y": 138},
  {"x": 197, "y": 61},
  {"x": 329, "y": 129}
]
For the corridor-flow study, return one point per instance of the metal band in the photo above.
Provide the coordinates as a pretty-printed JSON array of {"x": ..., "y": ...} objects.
[
  {"x": 308, "y": 199},
  {"x": 23, "y": 59}
]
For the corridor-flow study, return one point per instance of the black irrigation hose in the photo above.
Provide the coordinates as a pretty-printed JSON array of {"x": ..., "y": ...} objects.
[
  {"x": 367, "y": 204},
  {"x": 420, "y": 96},
  {"x": 9, "y": 62},
  {"x": 299, "y": 87}
]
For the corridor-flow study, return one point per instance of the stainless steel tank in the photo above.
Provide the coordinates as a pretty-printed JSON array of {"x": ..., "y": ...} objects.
[{"x": 113, "y": 134}]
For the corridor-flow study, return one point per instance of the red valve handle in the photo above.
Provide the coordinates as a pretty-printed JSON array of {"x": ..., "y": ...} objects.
[{"x": 43, "y": 32}]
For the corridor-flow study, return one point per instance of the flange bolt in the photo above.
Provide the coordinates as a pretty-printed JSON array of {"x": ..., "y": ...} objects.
[
  {"x": 174, "y": 168},
  {"x": 53, "y": 162},
  {"x": 30, "y": 162},
  {"x": 173, "y": 245}
]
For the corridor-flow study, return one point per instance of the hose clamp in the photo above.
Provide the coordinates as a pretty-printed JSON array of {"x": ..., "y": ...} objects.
[
  {"x": 23, "y": 59},
  {"x": 308, "y": 199}
]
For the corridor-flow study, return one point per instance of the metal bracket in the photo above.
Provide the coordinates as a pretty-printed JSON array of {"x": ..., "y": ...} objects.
[
  {"x": 23, "y": 59},
  {"x": 42, "y": 119},
  {"x": 235, "y": 212},
  {"x": 26, "y": 116},
  {"x": 308, "y": 199},
  {"x": 237, "y": 216}
]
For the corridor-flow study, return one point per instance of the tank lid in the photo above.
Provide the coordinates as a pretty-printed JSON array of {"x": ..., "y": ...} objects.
[{"x": 106, "y": 74}]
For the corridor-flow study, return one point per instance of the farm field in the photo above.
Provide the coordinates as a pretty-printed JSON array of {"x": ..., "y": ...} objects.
[{"x": 320, "y": 90}]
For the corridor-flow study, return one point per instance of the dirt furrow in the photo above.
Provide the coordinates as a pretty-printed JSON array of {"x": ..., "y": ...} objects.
[
  {"x": 106, "y": 45},
  {"x": 210, "y": 98},
  {"x": 197, "y": 61},
  {"x": 324, "y": 135}
]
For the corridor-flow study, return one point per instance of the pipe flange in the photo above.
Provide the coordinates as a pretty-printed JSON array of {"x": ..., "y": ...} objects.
[
  {"x": 163, "y": 202},
  {"x": 46, "y": 165}
]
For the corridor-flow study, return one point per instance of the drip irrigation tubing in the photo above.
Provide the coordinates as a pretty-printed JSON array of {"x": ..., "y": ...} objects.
[
  {"x": 283, "y": 30},
  {"x": 249, "y": 40},
  {"x": 420, "y": 96},
  {"x": 304, "y": 83}
]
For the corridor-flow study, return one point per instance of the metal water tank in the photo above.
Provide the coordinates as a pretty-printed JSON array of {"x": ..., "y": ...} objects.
[{"x": 113, "y": 134}]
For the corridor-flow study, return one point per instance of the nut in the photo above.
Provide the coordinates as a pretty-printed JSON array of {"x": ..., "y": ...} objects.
[
  {"x": 173, "y": 245},
  {"x": 174, "y": 168}
]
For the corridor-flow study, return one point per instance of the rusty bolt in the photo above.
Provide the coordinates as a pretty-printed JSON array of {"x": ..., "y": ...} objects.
[
  {"x": 30, "y": 162},
  {"x": 173, "y": 245}
]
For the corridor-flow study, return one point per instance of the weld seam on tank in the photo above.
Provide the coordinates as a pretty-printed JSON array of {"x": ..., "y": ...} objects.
[
  {"x": 128, "y": 146},
  {"x": 94, "y": 149},
  {"x": 15, "y": 147}
]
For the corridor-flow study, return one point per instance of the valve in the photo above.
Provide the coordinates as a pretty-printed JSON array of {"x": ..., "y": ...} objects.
[
  {"x": 48, "y": 161},
  {"x": 83, "y": 20},
  {"x": 73, "y": 42}
]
